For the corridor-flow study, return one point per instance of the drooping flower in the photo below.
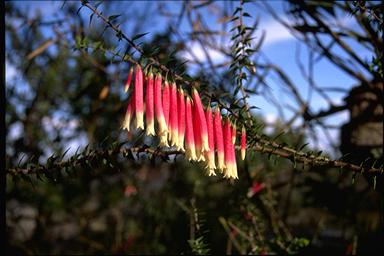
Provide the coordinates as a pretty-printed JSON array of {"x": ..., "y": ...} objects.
[
  {"x": 233, "y": 127},
  {"x": 256, "y": 188},
  {"x": 129, "y": 114},
  {"x": 219, "y": 139},
  {"x": 173, "y": 123},
  {"x": 233, "y": 160},
  {"x": 201, "y": 120},
  {"x": 230, "y": 158},
  {"x": 129, "y": 79},
  {"x": 197, "y": 134},
  {"x": 210, "y": 155},
  {"x": 243, "y": 142},
  {"x": 190, "y": 150},
  {"x": 139, "y": 104},
  {"x": 162, "y": 133},
  {"x": 166, "y": 102},
  {"x": 227, "y": 148},
  {"x": 149, "y": 107},
  {"x": 181, "y": 120}
]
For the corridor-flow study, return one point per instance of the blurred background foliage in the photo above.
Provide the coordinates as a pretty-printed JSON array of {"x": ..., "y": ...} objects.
[{"x": 69, "y": 87}]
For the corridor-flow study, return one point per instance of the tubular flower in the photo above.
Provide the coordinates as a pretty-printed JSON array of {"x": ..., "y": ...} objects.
[
  {"x": 233, "y": 127},
  {"x": 162, "y": 133},
  {"x": 166, "y": 102},
  {"x": 128, "y": 114},
  {"x": 197, "y": 134},
  {"x": 218, "y": 132},
  {"x": 210, "y": 155},
  {"x": 173, "y": 123},
  {"x": 190, "y": 150},
  {"x": 139, "y": 104},
  {"x": 149, "y": 107},
  {"x": 129, "y": 79},
  {"x": 183, "y": 122},
  {"x": 233, "y": 160},
  {"x": 181, "y": 119},
  {"x": 229, "y": 155},
  {"x": 243, "y": 143},
  {"x": 201, "y": 120}
]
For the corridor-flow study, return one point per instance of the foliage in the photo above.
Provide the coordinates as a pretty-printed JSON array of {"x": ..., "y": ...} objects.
[{"x": 123, "y": 195}]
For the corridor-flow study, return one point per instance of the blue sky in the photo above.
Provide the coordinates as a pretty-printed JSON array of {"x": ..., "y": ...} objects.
[{"x": 279, "y": 47}]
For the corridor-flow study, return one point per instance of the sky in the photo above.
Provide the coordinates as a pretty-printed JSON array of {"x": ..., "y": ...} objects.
[{"x": 279, "y": 47}]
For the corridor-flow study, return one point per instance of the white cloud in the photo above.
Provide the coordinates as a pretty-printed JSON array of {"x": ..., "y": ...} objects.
[
  {"x": 275, "y": 32},
  {"x": 199, "y": 53}
]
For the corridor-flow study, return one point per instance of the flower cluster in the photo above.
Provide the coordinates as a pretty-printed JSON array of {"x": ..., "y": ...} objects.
[{"x": 183, "y": 122}]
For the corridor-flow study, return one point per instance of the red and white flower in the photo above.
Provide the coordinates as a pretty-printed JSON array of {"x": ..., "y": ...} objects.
[
  {"x": 173, "y": 134},
  {"x": 166, "y": 102},
  {"x": 128, "y": 114},
  {"x": 198, "y": 134},
  {"x": 129, "y": 79},
  {"x": 210, "y": 155},
  {"x": 181, "y": 119},
  {"x": 149, "y": 107},
  {"x": 190, "y": 150},
  {"x": 230, "y": 170},
  {"x": 219, "y": 139},
  {"x": 139, "y": 103},
  {"x": 201, "y": 120},
  {"x": 162, "y": 133},
  {"x": 243, "y": 142}
]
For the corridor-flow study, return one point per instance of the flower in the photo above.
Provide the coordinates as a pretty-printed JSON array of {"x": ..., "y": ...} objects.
[
  {"x": 182, "y": 122},
  {"x": 227, "y": 149},
  {"x": 256, "y": 188},
  {"x": 139, "y": 104},
  {"x": 129, "y": 79},
  {"x": 197, "y": 134},
  {"x": 230, "y": 170},
  {"x": 243, "y": 142},
  {"x": 233, "y": 127},
  {"x": 149, "y": 107},
  {"x": 181, "y": 119},
  {"x": 162, "y": 133},
  {"x": 166, "y": 102},
  {"x": 233, "y": 160},
  {"x": 128, "y": 114},
  {"x": 201, "y": 120},
  {"x": 210, "y": 155},
  {"x": 173, "y": 123},
  {"x": 219, "y": 139},
  {"x": 190, "y": 150}
]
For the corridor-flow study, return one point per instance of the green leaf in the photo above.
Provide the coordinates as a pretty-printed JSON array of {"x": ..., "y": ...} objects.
[
  {"x": 113, "y": 17},
  {"x": 78, "y": 10},
  {"x": 236, "y": 11},
  {"x": 138, "y": 36},
  {"x": 90, "y": 18},
  {"x": 303, "y": 146},
  {"x": 278, "y": 136}
]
